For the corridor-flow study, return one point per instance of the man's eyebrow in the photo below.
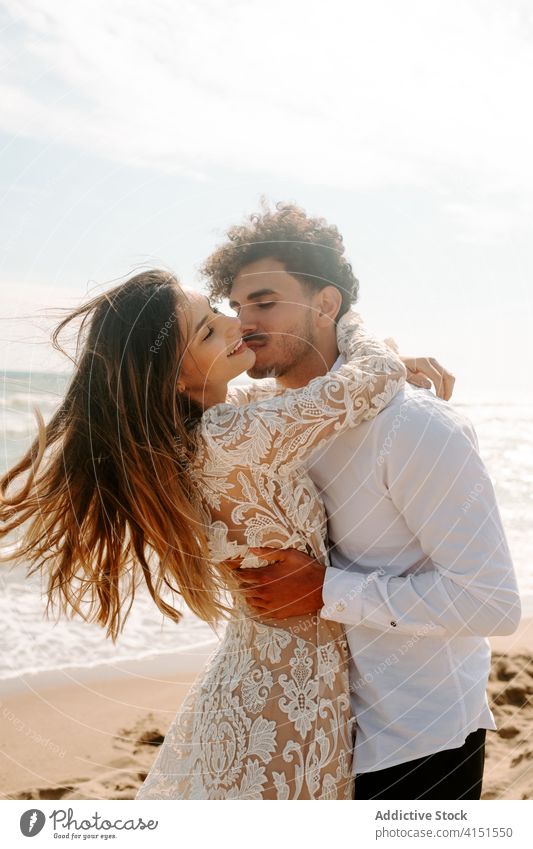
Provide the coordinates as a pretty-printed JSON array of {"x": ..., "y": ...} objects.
[{"x": 254, "y": 295}]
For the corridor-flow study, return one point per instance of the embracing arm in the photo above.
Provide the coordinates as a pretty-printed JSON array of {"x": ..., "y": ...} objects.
[
  {"x": 251, "y": 393},
  {"x": 423, "y": 372},
  {"x": 438, "y": 482},
  {"x": 282, "y": 431}
]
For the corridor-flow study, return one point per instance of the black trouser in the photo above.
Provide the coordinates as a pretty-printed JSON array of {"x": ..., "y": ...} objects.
[{"x": 452, "y": 774}]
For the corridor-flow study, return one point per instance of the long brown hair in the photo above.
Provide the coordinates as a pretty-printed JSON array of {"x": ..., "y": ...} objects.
[{"x": 107, "y": 486}]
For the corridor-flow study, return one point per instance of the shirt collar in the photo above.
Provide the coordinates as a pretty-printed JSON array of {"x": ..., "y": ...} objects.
[{"x": 338, "y": 363}]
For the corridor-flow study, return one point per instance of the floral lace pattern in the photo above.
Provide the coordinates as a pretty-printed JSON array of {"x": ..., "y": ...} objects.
[{"x": 270, "y": 718}]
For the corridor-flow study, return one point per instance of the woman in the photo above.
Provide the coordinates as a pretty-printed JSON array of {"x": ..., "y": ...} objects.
[{"x": 136, "y": 476}]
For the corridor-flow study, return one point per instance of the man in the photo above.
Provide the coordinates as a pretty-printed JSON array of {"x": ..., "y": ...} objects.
[{"x": 420, "y": 570}]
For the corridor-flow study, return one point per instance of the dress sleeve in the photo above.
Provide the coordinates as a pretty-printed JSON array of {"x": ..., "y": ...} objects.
[
  {"x": 279, "y": 433},
  {"x": 250, "y": 393}
]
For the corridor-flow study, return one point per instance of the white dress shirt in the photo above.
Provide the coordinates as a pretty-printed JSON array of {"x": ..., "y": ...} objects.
[{"x": 421, "y": 574}]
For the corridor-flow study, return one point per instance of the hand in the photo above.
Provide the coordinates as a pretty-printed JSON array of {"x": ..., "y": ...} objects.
[
  {"x": 290, "y": 585},
  {"x": 426, "y": 372}
]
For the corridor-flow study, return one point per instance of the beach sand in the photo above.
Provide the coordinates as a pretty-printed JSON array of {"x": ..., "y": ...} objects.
[
  {"x": 92, "y": 734},
  {"x": 80, "y": 735}
]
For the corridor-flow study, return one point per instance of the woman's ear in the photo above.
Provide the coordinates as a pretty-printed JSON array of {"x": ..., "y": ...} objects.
[
  {"x": 328, "y": 303},
  {"x": 181, "y": 387}
]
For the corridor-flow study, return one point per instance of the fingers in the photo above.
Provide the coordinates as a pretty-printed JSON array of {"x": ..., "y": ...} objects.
[
  {"x": 233, "y": 564},
  {"x": 418, "y": 380},
  {"x": 429, "y": 367},
  {"x": 269, "y": 555},
  {"x": 449, "y": 383},
  {"x": 258, "y": 604},
  {"x": 436, "y": 377},
  {"x": 444, "y": 380},
  {"x": 254, "y": 576},
  {"x": 257, "y": 601},
  {"x": 290, "y": 558}
]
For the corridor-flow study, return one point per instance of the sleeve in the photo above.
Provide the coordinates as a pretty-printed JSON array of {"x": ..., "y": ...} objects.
[
  {"x": 437, "y": 480},
  {"x": 281, "y": 432},
  {"x": 251, "y": 393}
]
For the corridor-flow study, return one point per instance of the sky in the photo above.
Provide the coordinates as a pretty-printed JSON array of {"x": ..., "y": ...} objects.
[{"x": 133, "y": 134}]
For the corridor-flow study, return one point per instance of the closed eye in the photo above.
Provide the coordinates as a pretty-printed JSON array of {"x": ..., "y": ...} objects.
[{"x": 263, "y": 305}]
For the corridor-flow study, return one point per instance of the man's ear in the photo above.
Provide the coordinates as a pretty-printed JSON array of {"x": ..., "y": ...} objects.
[{"x": 327, "y": 303}]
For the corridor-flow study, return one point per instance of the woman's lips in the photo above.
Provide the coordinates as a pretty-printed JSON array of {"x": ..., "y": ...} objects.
[{"x": 242, "y": 347}]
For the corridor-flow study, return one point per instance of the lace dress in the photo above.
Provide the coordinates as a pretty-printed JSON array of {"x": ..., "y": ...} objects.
[{"x": 270, "y": 717}]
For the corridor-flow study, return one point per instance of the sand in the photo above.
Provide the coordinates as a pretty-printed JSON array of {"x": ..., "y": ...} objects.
[{"x": 93, "y": 735}]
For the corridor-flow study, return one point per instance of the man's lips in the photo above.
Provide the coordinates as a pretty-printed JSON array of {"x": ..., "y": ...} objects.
[{"x": 254, "y": 342}]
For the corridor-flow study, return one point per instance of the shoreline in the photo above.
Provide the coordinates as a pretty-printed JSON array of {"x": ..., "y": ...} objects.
[
  {"x": 91, "y": 727},
  {"x": 187, "y": 658},
  {"x": 93, "y": 732}
]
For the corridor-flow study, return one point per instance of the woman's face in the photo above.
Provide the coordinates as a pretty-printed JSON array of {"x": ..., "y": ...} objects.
[{"x": 215, "y": 352}]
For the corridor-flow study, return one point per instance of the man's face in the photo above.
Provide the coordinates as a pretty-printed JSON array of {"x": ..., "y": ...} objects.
[{"x": 276, "y": 316}]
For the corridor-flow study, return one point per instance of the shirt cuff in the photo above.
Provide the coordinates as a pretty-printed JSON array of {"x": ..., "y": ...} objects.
[{"x": 342, "y": 595}]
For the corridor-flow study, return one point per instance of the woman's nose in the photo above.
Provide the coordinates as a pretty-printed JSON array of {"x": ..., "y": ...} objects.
[{"x": 234, "y": 323}]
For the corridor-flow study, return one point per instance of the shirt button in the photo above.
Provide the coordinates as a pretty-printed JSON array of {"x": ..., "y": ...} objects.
[
  {"x": 394, "y": 624},
  {"x": 340, "y": 606}
]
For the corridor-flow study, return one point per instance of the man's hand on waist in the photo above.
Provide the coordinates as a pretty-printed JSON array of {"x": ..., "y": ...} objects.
[{"x": 289, "y": 584}]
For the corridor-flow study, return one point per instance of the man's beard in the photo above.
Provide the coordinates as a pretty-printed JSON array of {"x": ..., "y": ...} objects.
[{"x": 291, "y": 348}]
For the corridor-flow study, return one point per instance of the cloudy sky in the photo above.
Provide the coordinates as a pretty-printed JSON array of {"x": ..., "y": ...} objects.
[{"x": 133, "y": 133}]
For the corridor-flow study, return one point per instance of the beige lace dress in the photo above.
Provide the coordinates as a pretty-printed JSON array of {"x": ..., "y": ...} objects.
[{"x": 269, "y": 717}]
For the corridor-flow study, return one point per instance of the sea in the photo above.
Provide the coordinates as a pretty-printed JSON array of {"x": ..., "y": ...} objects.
[{"x": 32, "y": 643}]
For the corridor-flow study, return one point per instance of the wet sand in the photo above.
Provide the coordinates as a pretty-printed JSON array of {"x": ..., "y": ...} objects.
[{"x": 83, "y": 734}]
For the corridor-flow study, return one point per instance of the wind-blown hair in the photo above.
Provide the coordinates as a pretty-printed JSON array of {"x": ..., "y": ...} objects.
[{"x": 106, "y": 496}]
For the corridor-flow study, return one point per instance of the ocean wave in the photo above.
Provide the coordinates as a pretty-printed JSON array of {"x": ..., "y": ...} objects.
[{"x": 31, "y": 643}]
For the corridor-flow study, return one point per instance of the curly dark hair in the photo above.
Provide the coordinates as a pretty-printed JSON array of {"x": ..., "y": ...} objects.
[{"x": 310, "y": 249}]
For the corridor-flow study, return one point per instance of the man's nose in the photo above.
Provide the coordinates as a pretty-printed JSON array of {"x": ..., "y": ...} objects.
[{"x": 248, "y": 323}]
